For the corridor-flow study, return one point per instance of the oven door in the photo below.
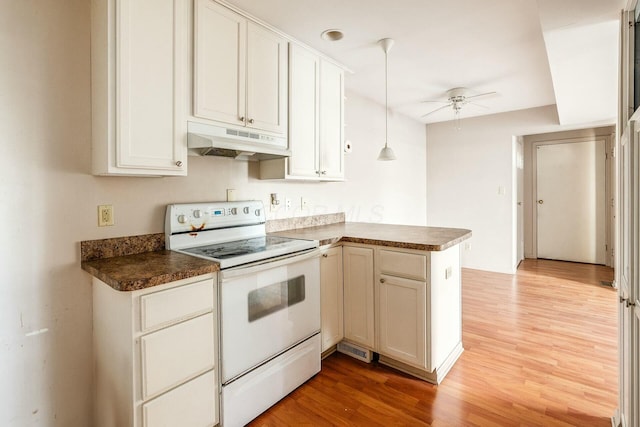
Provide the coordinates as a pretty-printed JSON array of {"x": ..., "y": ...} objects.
[{"x": 267, "y": 308}]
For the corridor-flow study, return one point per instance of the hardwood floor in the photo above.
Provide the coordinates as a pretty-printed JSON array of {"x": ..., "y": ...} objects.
[{"x": 540, "y": 350}]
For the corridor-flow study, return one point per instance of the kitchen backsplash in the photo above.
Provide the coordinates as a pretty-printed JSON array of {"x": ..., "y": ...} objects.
[{"x": 275, "y": 225}]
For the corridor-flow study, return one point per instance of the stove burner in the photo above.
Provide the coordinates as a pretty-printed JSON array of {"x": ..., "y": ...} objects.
[{"x": 240, "y": 247}]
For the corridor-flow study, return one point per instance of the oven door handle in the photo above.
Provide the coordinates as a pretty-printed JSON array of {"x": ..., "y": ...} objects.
[{"x": 253, "y": 268}]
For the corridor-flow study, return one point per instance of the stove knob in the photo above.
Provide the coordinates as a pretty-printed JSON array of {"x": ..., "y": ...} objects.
[
  {"x": 197, "y": 213},
  {"x": 182, "y": 219},
  {"x": 246, "y": 209},
  {"x": 257, "y": 212},
  {"x": 234, "y": 211}
]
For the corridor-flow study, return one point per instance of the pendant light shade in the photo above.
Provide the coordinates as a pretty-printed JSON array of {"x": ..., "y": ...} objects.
[{"x": 386, "y": 153}]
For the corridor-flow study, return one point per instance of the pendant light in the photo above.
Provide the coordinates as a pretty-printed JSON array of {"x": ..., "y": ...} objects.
[{"x": 386, "y": 153}]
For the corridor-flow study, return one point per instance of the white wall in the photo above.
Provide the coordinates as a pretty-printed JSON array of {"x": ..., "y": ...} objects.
[
  {"x": 49, "y": 203},
  {"x": 466, "y": 169}
]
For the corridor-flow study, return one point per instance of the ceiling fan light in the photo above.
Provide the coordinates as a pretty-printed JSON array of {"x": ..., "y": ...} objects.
[{"x": 386, "y": 154}]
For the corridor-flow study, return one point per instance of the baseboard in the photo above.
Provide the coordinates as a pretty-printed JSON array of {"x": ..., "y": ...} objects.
[
  {"x": 328, "y": 352},
  {"x": 434, "y": 377}
]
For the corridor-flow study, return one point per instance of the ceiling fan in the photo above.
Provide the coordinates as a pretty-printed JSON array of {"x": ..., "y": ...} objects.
[{"x": 456, "y": 99}]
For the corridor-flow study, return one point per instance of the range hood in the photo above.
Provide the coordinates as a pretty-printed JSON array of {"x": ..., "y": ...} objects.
[{"x": 241, "y": 144}]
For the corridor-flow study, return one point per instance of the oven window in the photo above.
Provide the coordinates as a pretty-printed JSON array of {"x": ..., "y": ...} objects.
[{"x": 276, "y": 297}]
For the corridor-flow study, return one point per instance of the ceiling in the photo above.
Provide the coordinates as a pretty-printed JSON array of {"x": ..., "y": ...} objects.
[{"x": 531, "y": 52}]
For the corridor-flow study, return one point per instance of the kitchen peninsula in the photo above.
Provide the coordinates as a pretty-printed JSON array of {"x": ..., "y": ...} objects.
[{"x": 393, "y": 290}]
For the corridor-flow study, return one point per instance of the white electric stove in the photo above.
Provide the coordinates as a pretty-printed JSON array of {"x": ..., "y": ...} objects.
[
  {"x": 231, "y": 233},
  {"x": 269, "y": 302}
]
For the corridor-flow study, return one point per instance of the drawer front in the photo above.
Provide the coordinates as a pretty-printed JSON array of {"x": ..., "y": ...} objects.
[
  {"x": 412, "y": 266},
  {"x": 173, "y": 355},
  {"x": 174, "y": 305},
  {"x": 191, "y": 404}
]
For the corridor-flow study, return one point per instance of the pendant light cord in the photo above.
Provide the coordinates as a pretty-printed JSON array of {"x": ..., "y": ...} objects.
[{"x": 386, "y": 97}]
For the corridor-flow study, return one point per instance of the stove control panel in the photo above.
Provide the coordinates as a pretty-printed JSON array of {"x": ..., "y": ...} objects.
[{"x": 195, "y": 217}]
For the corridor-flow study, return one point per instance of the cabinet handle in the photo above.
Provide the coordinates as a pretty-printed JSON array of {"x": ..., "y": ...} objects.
[
  {"x": 250, "y": 120},
  {"x": 323, "y": 172},
  {"x": 324, "y": 255},
  {"x": 179, "y": 163},
  {"x": 241, "y": 119},
  {"x": 382, "y": 280}
]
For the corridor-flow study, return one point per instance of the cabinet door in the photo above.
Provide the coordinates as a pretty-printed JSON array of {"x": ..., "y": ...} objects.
[
  {"x": 331, "y": 120},
  {"x": 304, "y": 69},
  {"x": 220, "y": 40},
  {"x": 267, "y": 66},
  {"x": 149, "y": 76},
  {"x": 402, "y": 319},
  {"x": 331, "y": 299},
  {"x": 358, "y": 295}
]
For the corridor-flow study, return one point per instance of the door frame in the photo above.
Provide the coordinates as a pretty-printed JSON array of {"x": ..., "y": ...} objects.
[{"x": 609, "y": 194}]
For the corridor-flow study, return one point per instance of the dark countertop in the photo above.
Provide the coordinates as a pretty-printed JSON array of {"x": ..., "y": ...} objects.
[
  {"x": 397, "y": 236},
  {"x": 144, "y": 270},
  {"x": 139, "y": 262}
]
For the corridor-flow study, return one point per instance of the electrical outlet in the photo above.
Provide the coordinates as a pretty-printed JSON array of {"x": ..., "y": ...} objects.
[
  {"x": 105, "y": 215},
  {"x": 231, "y": 195},
  {"x": 287, "y": 204},
  {"x": 448, "y": 272}
]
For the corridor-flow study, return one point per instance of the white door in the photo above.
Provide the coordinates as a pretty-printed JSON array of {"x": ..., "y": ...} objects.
[
  {"x": 519, "y": 200},
  {"x": 628, "y": 276},
  {"x": 571, "y": 215}
]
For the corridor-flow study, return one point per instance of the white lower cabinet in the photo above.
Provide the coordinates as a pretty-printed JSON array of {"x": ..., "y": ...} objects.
[
  {"x": 193, "y": 404},
  {"x": 155, "y": 354},
  {"x": 358, "y": 295},
  {"x": 331, "y": 297},
  {"x": 405, "y": 305},
  {"x": 401, "y": 314}
]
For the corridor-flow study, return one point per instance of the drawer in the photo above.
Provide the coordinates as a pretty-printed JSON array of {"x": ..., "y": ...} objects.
[
  {"x": 176, "y": 354},
  {"x": 174, "y": 305},
  {"x": 191, "y": 404},
  {"x": 411, "y": 266}
]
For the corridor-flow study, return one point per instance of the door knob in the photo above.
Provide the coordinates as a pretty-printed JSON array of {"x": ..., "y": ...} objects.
[
  {"x": 382, "y": 280},
  {"x": 540, "y": 202}
]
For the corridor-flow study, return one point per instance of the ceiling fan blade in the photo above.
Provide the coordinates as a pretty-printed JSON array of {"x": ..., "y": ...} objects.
[
  {"x": 481, "y": 94},
  {"x": 475, "y": 104},
  {"x": 433, "y": 100},
  {"x": 437, "y": 109}
]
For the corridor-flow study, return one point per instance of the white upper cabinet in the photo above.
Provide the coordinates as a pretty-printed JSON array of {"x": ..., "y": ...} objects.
[
  {"x": 331, "y": 121},
  {"x": 304, "y": 79},
  {"x": 138, "y": 68},
  {"x": 316, "y": 121},
  {"x": 240, "y": 70}
]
